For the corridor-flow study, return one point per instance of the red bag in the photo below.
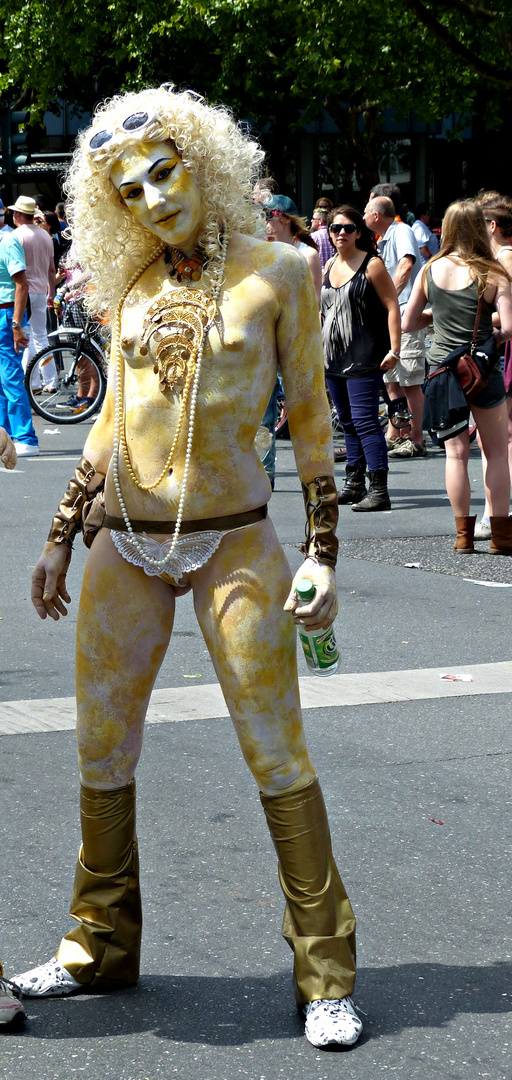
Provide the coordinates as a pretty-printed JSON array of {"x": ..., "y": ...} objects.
[{"x": 466, "y": 368}]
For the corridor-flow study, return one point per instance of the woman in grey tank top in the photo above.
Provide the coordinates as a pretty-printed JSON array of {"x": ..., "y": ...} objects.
[{"x": 452, "y": 283}]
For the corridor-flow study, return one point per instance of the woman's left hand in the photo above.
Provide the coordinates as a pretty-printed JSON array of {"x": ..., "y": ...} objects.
[
  {"x": 8, "y": 455},
  {"x": 320, "y": 612}
]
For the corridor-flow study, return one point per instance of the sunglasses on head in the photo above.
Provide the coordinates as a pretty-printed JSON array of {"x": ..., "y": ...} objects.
[
  {"x": 349, "y": 229},
  {"x": 136, "y": 122},
  {"x": 269, "y": 214}
]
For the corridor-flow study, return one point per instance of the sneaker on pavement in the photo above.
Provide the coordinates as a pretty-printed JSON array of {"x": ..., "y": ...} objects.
[
  {"x": 11, "y": 1009},
  {"x": 24, "y": 449},
  {"x": 70, "y": 403},
  {"x": 48, "y": 980},
  {"x": 83, "y": 403},
  {"x": 483, "y": 529},
  {"x": 393, "y": 443},
  {"x": 408, "y": 449},
  {"x": 332, "y": 1023}
]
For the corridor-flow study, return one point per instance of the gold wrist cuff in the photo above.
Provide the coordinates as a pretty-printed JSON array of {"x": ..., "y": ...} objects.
[
  {"x": 321, "y": 503},
  {"x": 68, "y": 519}
]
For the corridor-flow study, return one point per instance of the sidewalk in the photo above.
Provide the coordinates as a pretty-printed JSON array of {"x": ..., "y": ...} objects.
[{"x": 416, "y": 774}]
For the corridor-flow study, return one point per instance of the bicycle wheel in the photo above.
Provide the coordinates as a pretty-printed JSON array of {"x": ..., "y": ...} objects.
[{"x": 81, "y": 385}]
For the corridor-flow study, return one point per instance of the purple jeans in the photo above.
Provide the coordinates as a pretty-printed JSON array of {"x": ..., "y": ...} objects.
[{"x": 357, "y": 404}]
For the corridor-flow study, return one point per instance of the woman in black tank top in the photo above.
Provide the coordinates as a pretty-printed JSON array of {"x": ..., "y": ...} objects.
[
  {"x": 452, "y": 282},
  {"x": 360, "y": 319}
]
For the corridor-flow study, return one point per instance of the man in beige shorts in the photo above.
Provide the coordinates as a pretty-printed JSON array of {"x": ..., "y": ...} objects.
[{"x": 399, "y": 250}]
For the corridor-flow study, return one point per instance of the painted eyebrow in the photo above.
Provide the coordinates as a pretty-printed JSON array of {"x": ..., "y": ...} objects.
[{"x": 155, "y": 165}]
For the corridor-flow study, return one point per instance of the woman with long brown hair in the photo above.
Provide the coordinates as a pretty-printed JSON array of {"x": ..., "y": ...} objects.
[
  {"x": 497, "y": 210},
  {"x": 462, "y": 275}
]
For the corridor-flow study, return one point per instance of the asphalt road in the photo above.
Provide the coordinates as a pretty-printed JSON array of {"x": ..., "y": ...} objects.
[{"x": 417, "y": 793}]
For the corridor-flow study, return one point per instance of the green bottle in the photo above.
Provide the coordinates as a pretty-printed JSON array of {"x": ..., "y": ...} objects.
[{"x": 321, "y": 652}]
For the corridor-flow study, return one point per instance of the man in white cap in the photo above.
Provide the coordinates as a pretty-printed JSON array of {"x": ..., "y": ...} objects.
[
  {"x": 15, "y": 413},
  {"x": 38, "y": 248}
]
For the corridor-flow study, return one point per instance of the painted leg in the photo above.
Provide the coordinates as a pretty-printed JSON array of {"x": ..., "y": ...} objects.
[
  {"x": 124, "y": 625},
  {"x": 239, "y": 597}
]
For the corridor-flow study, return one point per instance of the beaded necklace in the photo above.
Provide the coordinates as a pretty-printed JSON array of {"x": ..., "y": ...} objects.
[{"x": 207, "y": 304}]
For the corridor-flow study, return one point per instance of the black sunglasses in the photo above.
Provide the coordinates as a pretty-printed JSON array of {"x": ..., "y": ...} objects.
[{"x": 349, "y": 229}]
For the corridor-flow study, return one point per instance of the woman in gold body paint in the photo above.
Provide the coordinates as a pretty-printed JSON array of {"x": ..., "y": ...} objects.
[{"x": 161, "y": 187}]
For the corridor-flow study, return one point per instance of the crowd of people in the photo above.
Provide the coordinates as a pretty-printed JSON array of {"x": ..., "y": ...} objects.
[
  {"x": 385, "y": 283},
  {"x": 31, "y": 251},
  {"x": 172, "y": 243}
]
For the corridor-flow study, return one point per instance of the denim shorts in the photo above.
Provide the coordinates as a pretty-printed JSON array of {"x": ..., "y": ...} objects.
[{"x": 493, "y": 394}]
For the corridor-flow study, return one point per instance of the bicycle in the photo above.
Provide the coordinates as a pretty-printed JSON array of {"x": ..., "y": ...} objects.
[{"x": 80, "y": 362}]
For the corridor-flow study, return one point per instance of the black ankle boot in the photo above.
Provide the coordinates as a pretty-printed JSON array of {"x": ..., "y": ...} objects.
[
  {"x": 377, "y": 497},
  {"x": 354, "y": 488}
]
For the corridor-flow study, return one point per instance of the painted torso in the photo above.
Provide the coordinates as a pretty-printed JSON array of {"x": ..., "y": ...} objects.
[{"x": 266, "y": 315}]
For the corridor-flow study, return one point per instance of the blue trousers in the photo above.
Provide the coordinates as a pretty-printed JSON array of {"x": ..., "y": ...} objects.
[
  {"x": 269, "y": 421},
  {"x": 357, "y": 404},
  {"x": 15, "y": 412}
]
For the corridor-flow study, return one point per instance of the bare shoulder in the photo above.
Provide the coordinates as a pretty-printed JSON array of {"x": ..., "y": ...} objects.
[
  {"x": 375, "y": 266},
  {"x": 505, "y": 258},
  {"x": 278, "y": 263}
]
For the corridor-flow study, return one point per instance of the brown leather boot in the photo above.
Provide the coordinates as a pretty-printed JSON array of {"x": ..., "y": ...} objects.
[
  {"x": 501, "y": 536},
  {"x": 464, "y": 543}
]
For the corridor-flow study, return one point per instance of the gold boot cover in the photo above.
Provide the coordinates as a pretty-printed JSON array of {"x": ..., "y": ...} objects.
[
  {"x": 319, "y": 924},
  {"x": 104, "y": 950}
]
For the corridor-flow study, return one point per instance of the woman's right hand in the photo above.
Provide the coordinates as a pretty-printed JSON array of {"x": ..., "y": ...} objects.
[
  {"x": 49, "y": 581},
  {"x": 389, "y": 362}
]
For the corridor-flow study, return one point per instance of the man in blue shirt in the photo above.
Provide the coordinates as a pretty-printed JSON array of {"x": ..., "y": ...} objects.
[{"x": 15, "y": 413}]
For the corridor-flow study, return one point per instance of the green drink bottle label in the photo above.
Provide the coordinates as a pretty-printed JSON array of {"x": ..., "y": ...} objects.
[
  {"x": 320, "y": 649},
  {"x": 321, "y": 652}
]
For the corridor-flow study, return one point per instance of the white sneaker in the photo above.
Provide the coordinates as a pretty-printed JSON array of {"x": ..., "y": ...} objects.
[
  {"x": 24, "y": 449},
  {"x": 11, "y": 1009},
  {"x": 483, "y": 529},
  {"x": 48, "y": 980},
  {"x": 332, "y": 1023}
]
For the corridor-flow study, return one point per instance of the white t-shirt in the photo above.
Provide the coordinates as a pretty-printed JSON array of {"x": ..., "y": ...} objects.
[
  {"x": 399, "y": 241},
  {"x": 426, "y": 238}
]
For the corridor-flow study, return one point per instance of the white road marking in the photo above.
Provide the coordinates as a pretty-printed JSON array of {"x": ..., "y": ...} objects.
[{"x": 338, "y": 691}]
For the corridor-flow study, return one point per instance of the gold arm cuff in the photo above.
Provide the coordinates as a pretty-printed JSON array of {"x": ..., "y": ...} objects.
[
  {"x": 68, "y": 519},
  {"x": 321, "y": 503}
]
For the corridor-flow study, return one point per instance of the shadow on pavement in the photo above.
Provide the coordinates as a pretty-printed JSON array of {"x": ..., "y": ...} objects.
[{"x": 232, "y": 1011}]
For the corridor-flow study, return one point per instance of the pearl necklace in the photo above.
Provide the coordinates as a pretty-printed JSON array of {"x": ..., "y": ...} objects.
[{"x": 119, "y": 426}]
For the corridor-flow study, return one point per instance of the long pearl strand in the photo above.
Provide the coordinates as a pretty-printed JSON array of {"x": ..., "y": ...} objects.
[{"x": 160, "y": 564}]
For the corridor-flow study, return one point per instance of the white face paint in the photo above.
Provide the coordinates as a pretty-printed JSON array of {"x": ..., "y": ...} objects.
[{"x": 160, "y": 193}]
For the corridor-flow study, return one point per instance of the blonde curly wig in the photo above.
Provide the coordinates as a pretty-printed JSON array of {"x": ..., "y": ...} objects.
[{"x": 224, "y": 161}]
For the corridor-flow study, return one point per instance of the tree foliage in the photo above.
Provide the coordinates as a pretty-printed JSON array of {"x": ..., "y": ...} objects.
[{"x": 276, "y": 64}]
